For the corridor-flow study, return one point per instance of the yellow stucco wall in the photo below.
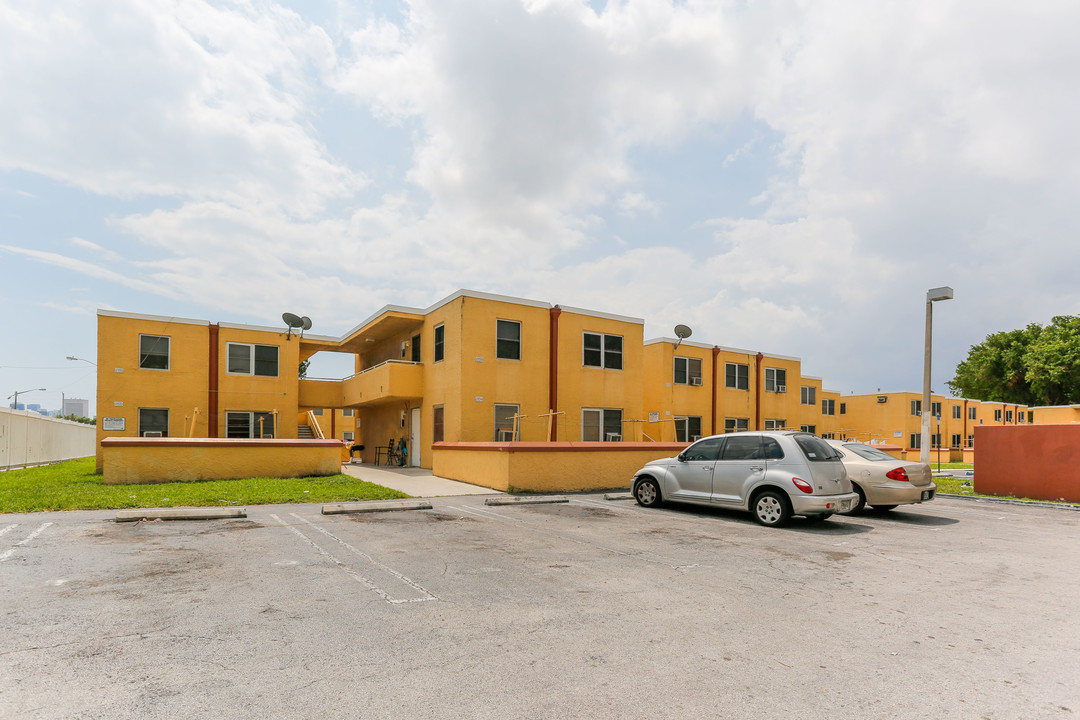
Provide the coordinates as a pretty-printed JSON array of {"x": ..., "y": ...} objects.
[
  {"x": 548, "y": 467},
  {"x": 1064, "y": 415},
  {"x": 157, "y": 460}
]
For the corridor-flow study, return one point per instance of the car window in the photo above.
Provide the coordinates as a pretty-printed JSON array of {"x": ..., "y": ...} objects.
[
  {"x": 742, "y": 447},
  {"x": 815, "y": 449},
  {"x": 771, "y": 449},
  {"x": 869, "y": 453},
  {"x": 707, "y": 449}
]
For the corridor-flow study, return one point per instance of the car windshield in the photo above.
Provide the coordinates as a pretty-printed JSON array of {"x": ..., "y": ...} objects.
[
  {"x": 869, "y": 453},
  {"x": 815, "y": 449}
]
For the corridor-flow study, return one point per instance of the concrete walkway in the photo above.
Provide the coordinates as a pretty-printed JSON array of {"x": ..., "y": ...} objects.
[{"x": 418, "y": 482}]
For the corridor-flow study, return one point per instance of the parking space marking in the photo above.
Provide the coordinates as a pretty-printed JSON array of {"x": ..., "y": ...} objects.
[
  {"x": 656, "y": 559},
  {"x": 26, "y": 540},
  {"x": 354, "y": 573},
  {"x": 8, "y": 529}
]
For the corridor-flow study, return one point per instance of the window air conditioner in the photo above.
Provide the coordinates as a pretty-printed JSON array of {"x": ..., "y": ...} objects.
[
  {"x": 151, "y": 433},
  {"x": 695, "y": 381},
  {"x": 506, "y": 436},
  {"x": 614, "y": 437},
  {"x": 781, "y": 388},
  {"x": 882, "y": 398},
  {"x": 695, "y": 438}
]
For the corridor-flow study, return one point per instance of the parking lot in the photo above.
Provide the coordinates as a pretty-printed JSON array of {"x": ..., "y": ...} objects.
[{"x": 592, "y": 608}]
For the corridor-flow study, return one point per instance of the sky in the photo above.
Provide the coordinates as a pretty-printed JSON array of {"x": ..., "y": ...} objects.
[{"x": 782, "y": 176}]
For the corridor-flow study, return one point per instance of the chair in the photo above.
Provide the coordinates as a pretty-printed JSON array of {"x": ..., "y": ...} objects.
[{"x": 386, "y": 452}]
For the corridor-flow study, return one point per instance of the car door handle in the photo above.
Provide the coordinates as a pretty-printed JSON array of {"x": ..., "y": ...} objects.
[{"x": 756, "y": 468}]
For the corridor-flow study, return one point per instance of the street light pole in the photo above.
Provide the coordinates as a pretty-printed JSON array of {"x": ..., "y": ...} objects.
[
  {"x": 15, "y": 405},
  {"x": 932, "y": 296}
]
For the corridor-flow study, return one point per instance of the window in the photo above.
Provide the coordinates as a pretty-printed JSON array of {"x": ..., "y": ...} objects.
[
  {"x": 249, "y": 425},
  {"x": 415, "y": 349},
  {"x": 971, "y": 413},
  {"x": 955, "y": 440},
  {"x": 504, "y": 423},
  {"x": 247, "y": 359},
  {"x": 1008, "y": 416},
  {"x": 746, "y": 447},
  {"x": 736, "y": 424},
  {"x": 935, "y": 440},
  {"x": 955, "y": 412},
  {"x": 508, "y": 339},
  {"x": 437, "y": 424},
  {"x": 808, "y": 395},
  {"x": 706, "y": 450},
  {"x": 915, "y": 441},
  {"x": 997, "y": 416},
  {"x": 687, "y": 429},
  {"x": 348, "y": 436},
  {"x": 317, "y": 411},
  {"x": 816, "y": 449},
  {"x": 970, "y": 441},
  {"x": 603, "y": 351},
  {"x": 775, "y": 380},
  {"x": 601, "y": 424},
  {"x": 828, "y": 407},
  {"x": 808, "y": 428},
  {"x": 828, "y": 436},
  {"x": 348, "y": 412},
  {"x": 154, "y": 352},
  {"x": 935, "y": 409},
  {"x": 1020, "y": 415},
  {"x": 916, "y": 407},
  {"x": 153, "y": 422},
  {"x": 688, "y": 371},
  {"x": 440, "y": 339},
  {"x": 737, "y": 376},
  {"x": 775, "y": 424},
  {"x": 843, "y": 408}
]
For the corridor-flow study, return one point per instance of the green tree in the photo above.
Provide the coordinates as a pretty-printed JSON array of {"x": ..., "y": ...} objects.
[{"x": 1033, "y": 366}]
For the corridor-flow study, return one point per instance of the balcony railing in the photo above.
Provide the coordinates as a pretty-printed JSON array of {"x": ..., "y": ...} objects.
[{"x": 386, "y": 382}]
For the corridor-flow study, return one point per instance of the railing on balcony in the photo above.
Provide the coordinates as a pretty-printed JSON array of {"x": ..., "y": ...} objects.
[{"x": 388, "y": 380}]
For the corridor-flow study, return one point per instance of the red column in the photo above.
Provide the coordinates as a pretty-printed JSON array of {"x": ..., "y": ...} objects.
[
  {"x": 212, "y": 400},
  {"x": 553, "y": 372}
]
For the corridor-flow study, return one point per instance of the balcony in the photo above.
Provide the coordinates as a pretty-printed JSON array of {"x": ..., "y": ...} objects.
[{"x": 386, "y": 382}]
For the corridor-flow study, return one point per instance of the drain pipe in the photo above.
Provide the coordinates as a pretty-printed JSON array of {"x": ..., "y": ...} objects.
[
  {"x": 715, "y": 390},
  {"x": 757, "y": 391}
]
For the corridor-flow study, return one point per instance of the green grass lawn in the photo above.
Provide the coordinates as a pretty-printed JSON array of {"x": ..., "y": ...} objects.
[
  {"x": 73, "y": 485},
  {"x": 955, "y": 486}
]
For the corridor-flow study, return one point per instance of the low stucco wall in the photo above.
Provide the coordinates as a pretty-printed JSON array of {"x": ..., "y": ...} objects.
[
  {"x": 27, "y": 438},
  {"x": 547, "y": 467},
  {"x": 158, "y": 460},
  {"x": 1041, "y": 462}
]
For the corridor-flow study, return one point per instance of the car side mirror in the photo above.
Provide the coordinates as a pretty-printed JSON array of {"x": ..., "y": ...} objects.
[{"x": 681, "y": 457}]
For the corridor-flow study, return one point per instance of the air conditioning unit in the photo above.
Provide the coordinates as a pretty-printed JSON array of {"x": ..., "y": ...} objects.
[
  {"x": 882, "y": 398},
  {"x": 695, "y": 381},
  {"x": 695, "y": 438},
  {"x": 781, "y": 388},
  {"x": 151, "y": 433},
  {"x": 614, "y": 437},
  {"x": 506, "y": 436}
]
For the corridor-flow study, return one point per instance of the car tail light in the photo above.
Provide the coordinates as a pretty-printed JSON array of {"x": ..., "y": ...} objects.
[
  {"x": 803, "y": 485},
  {"x": 897, "y": 474}
]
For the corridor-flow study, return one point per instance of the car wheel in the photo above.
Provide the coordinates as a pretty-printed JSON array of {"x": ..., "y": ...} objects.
[
  {"x": 819, "y": 518},
  {"x": 884, "y": 508},
  {"x": 647, "y": 493},
  {"x": 771, "y": 509},
  {"x": 861, "y": 505}
]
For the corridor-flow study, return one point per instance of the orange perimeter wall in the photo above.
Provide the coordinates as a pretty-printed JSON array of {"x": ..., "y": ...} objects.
[{"x": 1041, "y": 462}]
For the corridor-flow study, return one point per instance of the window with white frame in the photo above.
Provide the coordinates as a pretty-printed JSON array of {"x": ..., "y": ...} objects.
[
  {"x": 843, "y": 408},
  {"x": 775, "y": 380},
  {"x": 153, "y": 422},
  {"x": 601, "y": 424},
  {"x": 154, "y": 352},
  {"x": 808, "y": 395},
  {"x": 1008, "y": 415},
  {"x": 935, "y": 440},
  {"x": 687, "y": 428},
  {"x": 317, "y": 411},
  {"x": 997, "y": 415},
  {"x": 348, "y": 412},
  {"x": 935, "y": 409},
  {"x": 915, "y": 441},
  {"x": 775, "y": 424},
  {"x": 737, "y": 376},
  {"x": 970, "y": 441},
  {"x": 508, "y": 339},
  {"x": 348, "y": 436},
  {"x": 1020, "y": 416},
  {"x": 687, "y": 371},
  {"x": 956, "y": 412},
  {"x": 241, "y": 424},
  {"x": 506, "y": 422},
  {"x": 828, "y": 406},
  {"x": 956, "y": 439},
  {"x": 736, "y": 424},
  {"x": 808, "y": 428},
  {"x": 439, "y": 343},
  {"x": 971, "y": 413},
  {"x": 916, "y": 407},
  {"x": 245, "y": 359},
  {"x": 603, "y": 351}
]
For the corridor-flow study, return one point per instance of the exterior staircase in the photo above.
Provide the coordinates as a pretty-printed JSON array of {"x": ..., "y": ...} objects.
[{"x": 304, "y": 432}]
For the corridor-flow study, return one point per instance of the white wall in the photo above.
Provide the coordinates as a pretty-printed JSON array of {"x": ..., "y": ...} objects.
[{"x": 27, "y": 438}]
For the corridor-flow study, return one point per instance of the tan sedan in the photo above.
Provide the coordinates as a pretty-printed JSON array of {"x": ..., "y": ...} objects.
[{"x": 882, "y": 481}]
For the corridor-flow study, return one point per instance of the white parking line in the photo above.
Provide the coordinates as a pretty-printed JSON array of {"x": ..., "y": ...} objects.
[
  {"x": 10, "y": 527},
  {"x": 11, "y": 550},
  {"x": 353, "y": 573}
]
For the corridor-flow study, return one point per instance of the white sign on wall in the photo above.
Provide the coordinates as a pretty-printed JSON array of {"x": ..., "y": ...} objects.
[
  {"x": 654, "y": 417},
  {"x": 112, "y": 423}
]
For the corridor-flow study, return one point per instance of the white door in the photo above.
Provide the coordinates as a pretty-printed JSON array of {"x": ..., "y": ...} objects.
[{"x": 414, "y": 441}]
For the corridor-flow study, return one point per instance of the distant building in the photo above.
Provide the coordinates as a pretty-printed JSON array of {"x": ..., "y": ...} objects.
[{"x": 76, "y": 406}]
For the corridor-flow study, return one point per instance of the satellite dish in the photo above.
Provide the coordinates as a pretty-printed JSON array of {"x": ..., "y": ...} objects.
[
  {"x": 305, "y": 323},
  {"x": 683, "y": 331},
  {"x": 293, "y": 321}
]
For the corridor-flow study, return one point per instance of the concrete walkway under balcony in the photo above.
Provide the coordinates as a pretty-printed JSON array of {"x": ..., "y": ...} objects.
[{"x": 418, "y": 482}]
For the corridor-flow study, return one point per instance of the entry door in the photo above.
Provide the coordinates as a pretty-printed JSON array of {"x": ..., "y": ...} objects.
[
  {"x": 692, "y": 473},
  {"x": 414, "y": 440}
]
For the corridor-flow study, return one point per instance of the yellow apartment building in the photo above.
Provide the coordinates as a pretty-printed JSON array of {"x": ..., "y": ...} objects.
[{"x": 477, "y": 367}]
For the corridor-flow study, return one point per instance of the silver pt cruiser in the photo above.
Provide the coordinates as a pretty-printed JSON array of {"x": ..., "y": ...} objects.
[{"x": 774, "y": 475}]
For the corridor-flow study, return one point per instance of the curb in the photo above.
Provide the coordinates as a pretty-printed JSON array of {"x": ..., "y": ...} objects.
[
  {"x": 369, "y": 507},
  {"x": 180, "y": 514},
  {"x": 525, "y": 500},
  {"x": 1007, "y": 501},
  {"x": 618, "y": 496}
]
